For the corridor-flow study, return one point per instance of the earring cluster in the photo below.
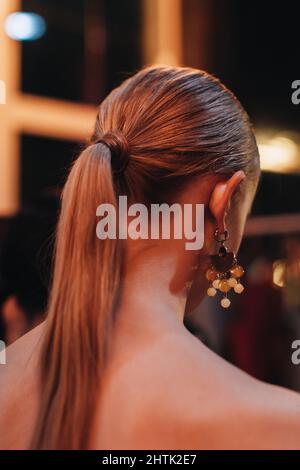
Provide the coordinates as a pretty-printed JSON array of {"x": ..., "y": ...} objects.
[{"x": 224, "y": 273}]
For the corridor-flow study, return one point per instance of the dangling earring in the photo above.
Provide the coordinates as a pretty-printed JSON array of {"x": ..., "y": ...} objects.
[{"x": 224, "y": 273}]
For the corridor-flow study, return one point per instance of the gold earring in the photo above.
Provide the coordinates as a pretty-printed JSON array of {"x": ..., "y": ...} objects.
[{"x": 225, "y": 272}]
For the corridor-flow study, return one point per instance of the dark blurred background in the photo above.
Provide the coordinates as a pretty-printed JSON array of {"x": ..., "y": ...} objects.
[{"x": 59, "y": 65}]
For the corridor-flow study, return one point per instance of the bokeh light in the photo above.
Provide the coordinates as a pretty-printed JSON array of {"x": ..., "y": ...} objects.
[{"x": 25, "y": 26}]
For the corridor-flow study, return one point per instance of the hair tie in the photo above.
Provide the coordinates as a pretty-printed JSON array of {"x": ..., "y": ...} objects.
[{"x": 119, "y": 149}]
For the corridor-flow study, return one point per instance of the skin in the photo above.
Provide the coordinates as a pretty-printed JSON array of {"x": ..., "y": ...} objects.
[
  {"x": 16, "y": 321},
  {"x": 163, "y": 389}
]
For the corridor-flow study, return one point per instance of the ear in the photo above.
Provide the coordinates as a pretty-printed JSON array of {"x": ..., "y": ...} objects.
[{"x": 221, "y": 195}]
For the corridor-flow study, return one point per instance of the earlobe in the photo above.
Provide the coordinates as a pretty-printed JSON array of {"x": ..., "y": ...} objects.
[{"x": 221, "y": 197}]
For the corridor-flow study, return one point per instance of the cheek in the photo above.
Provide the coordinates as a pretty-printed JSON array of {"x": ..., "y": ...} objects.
[
  {"x": 236, "y": 226},
  {"x": 197, "y": 291}
]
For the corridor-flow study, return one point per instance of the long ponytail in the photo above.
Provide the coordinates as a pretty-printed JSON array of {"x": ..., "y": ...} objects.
[{"x": 80, "y": 316}]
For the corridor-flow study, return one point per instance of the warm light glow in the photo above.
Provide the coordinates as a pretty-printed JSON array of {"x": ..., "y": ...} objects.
[
  {"x": 2, "y": 92},
  {"x": 163, "y": 32},
  {"x": 24, "y": 26},
  {"x": 279, "y": 271},
  {"x": 279, "y": 154}
]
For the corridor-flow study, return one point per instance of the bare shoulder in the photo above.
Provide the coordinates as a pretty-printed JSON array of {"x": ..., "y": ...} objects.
[
  {"x": 18, "y": 389},
  {"x": 193, "y": 399},
  {"x": 22, "y": 352}
]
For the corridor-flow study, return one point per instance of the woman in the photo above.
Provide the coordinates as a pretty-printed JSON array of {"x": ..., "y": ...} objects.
[{"x": 114, "y": 366}]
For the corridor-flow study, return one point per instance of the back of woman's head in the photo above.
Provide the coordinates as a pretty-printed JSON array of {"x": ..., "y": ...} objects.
[
  {"x": 153, "y": 134},
  {"x": 178, "y": 123}
]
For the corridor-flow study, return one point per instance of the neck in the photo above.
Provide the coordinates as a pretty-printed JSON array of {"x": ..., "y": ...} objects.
[{"x": 153, "y": 295}]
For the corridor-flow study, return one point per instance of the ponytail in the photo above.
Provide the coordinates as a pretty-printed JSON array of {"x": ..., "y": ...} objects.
[{"x": 83, "y": 296}]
